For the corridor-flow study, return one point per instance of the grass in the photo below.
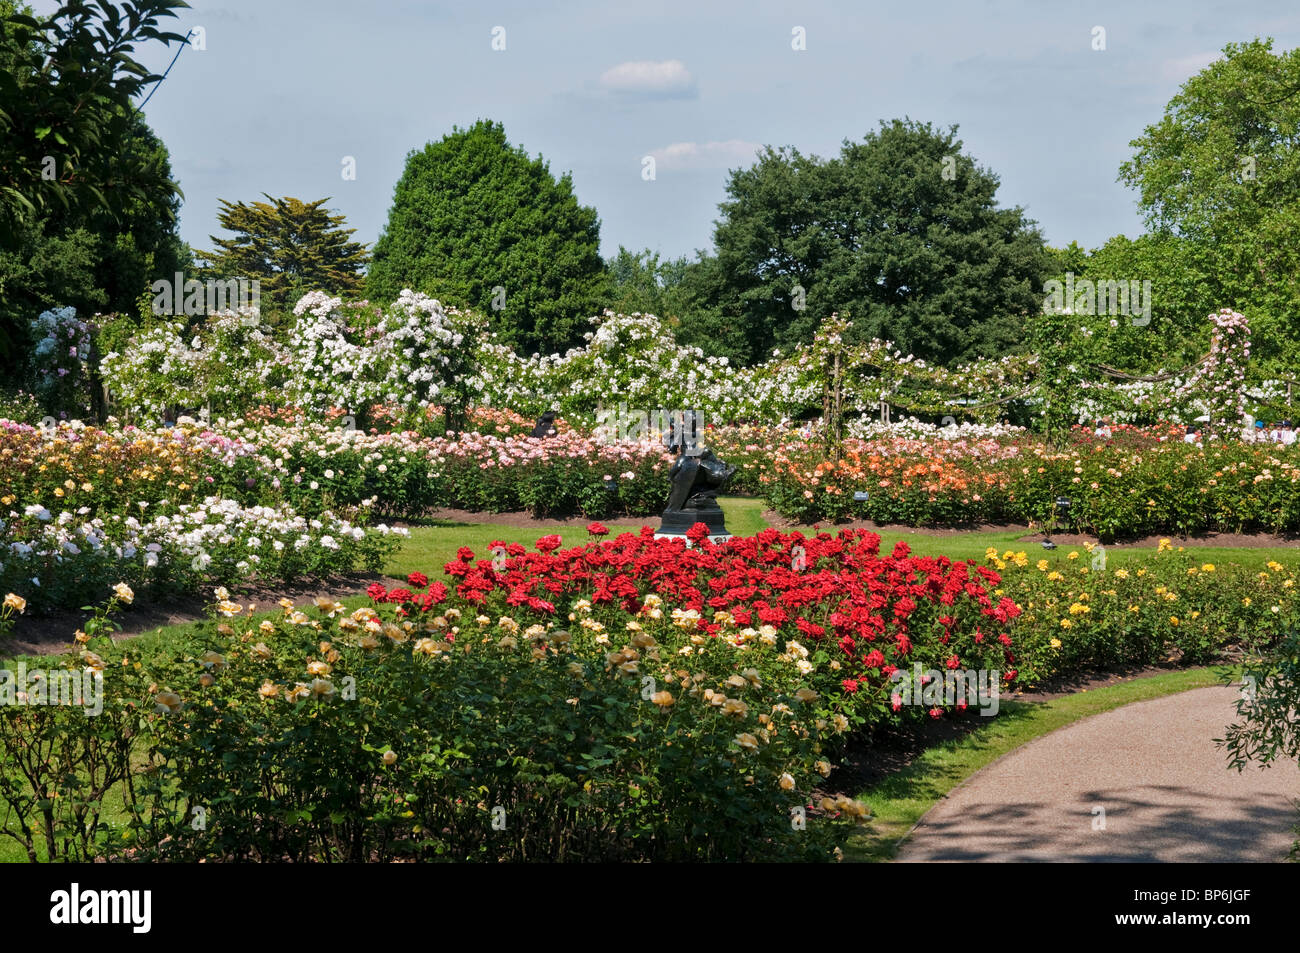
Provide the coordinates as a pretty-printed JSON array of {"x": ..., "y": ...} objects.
[
  {"x": 429, "y": 547},
  {"x": 899, "y": 801}
]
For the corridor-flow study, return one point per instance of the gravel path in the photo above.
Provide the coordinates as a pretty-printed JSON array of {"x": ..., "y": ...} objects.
[{"x": 1153, "y": 767}]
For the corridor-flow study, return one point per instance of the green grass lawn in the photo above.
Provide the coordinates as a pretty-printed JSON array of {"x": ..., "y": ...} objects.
[{"x": 430, "y": 547}]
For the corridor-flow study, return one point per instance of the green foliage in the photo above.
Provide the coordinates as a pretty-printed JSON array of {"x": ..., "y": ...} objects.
[
  {"x": 472, "y": 214},
  {"x": 314, "y": 738},
  {"x": 291, "y": 247},
  {"x": 1081, "y": 614},
  {"x": 684, "y": 293},
  {"x": 95, "y": 223},
  {"x": 1220, "y": 170},
  {"x": 67, "y": 92},
  {"x": 901, "y": 231},
  {"x": 1267, "y": 730}
]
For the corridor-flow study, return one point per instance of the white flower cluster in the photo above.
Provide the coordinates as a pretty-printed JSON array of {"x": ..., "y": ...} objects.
[
  {"x": 909, "y": 428},
  {"x": 219, "y": 540}
]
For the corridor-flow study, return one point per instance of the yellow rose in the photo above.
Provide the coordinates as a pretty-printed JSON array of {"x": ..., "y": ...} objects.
[
  {"x": 390, "y": 758},
  {"x": 167, "y": 702},
  {"x": 734, "y": 706},
  {"x": 786, "y": 781},
  {"x": 15, "y": 602}
]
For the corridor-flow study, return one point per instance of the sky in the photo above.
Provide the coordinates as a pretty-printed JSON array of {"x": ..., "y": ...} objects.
[{"x": 285, "y": 92}]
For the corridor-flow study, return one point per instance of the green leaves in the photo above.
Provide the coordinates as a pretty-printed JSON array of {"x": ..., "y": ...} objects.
[
  {"x": 291, "y": 247},
  {"x": 480, "y": 222},
  {"x": 920, "y": 258}
]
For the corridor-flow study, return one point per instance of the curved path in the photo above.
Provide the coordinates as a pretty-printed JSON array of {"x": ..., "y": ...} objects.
[{"x": 1152, "y": 766}]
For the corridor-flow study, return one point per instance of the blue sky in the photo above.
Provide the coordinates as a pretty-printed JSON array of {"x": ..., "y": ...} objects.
[{"x": 285, "y": 89}]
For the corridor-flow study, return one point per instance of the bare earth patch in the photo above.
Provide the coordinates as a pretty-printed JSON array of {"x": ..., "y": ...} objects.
[
  {"x": 524, "y": 520},
  {"x": 51, "y": 633},
  {"x": 1035, "y": 536},
  {"x": 778, "y": 521},
  {"x": 1237, "y": 540}
]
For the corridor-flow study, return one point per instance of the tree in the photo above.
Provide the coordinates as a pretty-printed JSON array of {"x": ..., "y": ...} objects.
[
  {"x": 88, "y": 206},
  {"x": 66, "y": 107},
  {"x": 290, "y": 247},
  {"x": 901, "y": 231},
  {"x": 477, "y": 222},
  {"x": 1221, "y": 172}
]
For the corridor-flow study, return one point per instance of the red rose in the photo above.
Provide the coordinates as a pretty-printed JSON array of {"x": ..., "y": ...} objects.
[
  {"x": 377, "y": 592},
  {"x": 596, "y": 529},
  {"x": 850, "y": 685},
  {"x": 549, "y": 544},
  {"x": 954, "y": 662},
  {"x": 697, "y": 532},
  {"x": 418, "y": 579}
]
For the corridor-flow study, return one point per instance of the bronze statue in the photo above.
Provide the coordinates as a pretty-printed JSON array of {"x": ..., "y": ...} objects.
[
  {"x": 697, "y": 476},
  {"x": 545, "y": 425}
]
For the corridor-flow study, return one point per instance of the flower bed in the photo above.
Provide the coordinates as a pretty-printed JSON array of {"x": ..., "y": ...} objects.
[
  {"x": 836, "y": 629},
  {"x": 60, "y": 559},
  {"x": 1131, "y": 485},
  {"x": 1082, "y": 614}
]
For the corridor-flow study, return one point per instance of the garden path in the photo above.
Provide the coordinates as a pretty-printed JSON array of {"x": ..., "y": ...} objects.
[{"x": 1165, "y": 788}]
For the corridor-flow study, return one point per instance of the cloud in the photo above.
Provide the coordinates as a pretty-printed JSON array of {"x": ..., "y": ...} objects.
[
  {"x": 669, "y": 79},
  {"x": 707, "y": 155}
]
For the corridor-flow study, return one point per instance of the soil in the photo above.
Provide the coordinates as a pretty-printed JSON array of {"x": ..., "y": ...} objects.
[
  {"x": 521, "y": 519},
  {"x": 1030, "y": 535},
  {"x": 51, "y": 633},
  {"x": 777, "y": 521}
]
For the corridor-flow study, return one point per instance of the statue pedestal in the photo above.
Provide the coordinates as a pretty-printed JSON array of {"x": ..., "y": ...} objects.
[
  {"x": 678, "y": 522},
  {"x": 720, "y": 538}
]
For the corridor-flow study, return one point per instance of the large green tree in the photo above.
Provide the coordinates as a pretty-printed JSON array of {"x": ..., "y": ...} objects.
[
  {"x": 88, "y": 205},
  {"x": 901, "y": 230},
  {"x": 477, "y": 222},
  {"x": 290, "y": 247},
  {"x": 1220, "y": 172},
  {"x": 67, "y": 107}
]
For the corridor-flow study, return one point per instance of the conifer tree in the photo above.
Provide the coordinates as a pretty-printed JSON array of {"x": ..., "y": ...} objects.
[{"x": 291, "y": 247}]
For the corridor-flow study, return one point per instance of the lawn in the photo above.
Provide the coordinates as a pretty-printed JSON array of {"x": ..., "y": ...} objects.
[{"x": 431, "y": 546}]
